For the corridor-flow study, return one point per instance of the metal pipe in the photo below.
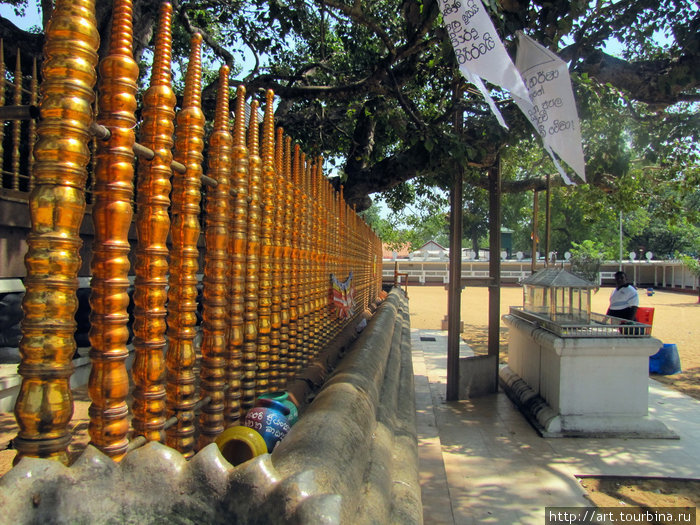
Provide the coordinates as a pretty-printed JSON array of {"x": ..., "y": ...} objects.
[
  {"x": 103, "y": 133},
  {"x": 140, "y": 441},
  {"x": 142, "y": 151},
  {"x": 19, "y": 112}
]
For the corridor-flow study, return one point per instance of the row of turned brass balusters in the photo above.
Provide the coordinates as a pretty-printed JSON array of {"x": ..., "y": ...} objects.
[
  {"x": 11, "y": 174},
  {"x": 274, "y": 230}
]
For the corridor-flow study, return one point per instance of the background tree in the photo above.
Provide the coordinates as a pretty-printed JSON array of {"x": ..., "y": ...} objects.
[
  {"x": 586, "y": 259},
  {"x": 372, "y": 91},
  {"x": 693, "y": 264}
]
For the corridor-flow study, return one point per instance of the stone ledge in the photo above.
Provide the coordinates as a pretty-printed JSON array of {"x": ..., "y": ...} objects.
[{"x": 549, "y": 424}]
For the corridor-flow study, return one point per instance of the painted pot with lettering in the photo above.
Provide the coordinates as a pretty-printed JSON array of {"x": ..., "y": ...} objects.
[
  {"x": 269, "y": 418},
  {"x": 283, "y": 397}
]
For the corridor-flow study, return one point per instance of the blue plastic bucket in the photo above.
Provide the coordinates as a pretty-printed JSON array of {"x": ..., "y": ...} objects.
[{"x": 666, "y": 361}]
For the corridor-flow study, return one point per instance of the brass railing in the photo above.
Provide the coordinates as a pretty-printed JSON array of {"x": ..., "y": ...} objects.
[{"x": 275, "y": 232}]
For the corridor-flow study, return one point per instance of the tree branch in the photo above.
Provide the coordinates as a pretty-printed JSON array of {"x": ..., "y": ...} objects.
[
  {"x": 355, "y": 13},
  {"x": 659, "y": 82},
  {"x": 222, "y": 52}
]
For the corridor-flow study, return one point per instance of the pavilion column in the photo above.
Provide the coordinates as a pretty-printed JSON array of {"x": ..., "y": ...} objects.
[{"x": 494, "y": 268}]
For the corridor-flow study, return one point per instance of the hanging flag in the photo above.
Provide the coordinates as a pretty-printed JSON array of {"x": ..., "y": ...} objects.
[
  {"x": 474, "y": 79},
  {"x": 480, "y": 52},
  {"x": 550, "y": 105},
  {"x": 343, "y": 296}
]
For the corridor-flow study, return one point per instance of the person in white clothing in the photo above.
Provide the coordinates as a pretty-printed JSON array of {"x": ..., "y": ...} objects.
[{"x": 624, "y": 300}]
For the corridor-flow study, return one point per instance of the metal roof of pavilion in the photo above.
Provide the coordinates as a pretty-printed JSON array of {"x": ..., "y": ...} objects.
[{"x": 557, "y": 278}]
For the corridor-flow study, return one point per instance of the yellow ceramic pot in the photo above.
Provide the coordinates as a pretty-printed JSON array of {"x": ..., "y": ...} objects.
[{"x": 239, "y": 444}]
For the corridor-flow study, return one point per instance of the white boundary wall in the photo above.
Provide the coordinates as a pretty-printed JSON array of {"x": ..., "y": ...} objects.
[{"x": 430, "y": 270}]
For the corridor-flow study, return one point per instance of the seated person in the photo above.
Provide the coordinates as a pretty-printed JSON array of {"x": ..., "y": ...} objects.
[{"x": 624, "y": 300}]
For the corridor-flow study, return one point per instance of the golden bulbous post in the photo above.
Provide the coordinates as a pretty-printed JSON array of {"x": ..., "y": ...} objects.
[
  {"x": 152, "y": 227},
  {"x": 3, "y": 70},
  {"x": 344, "y": 240},
  {"x": 287, "y": 202},
  {"x": 112, "y": 211},
  {"x": 315, "y": 249},
  {"x": 237, "y": 254},
  {"x": 313, "y": 259},
  {"x": 377, "y": 266},
  {"x": 357, "y": 262},
  {"x": 362, "y": 263},
  {"x": 305, "y": 267},
  {"x": 335, "y": 250},
  {"x": 252, "y": 262},
  {"x": 184, "y": 259},
  {"x": 324, "y": 277},
  {"x": 17, "y": 100},
  {"x": 377, "y": 258},
  {"x": 328, "y": 267},
  {"x": 333, "y": 240},
  {"x": 33, "y": 97},
  {"x": 57, "y": 204},
  {"x": 357, "y": 277},
  {"x": 217, "y": 270},
  {"x": 93, "y": 162},
  {"x": 262, "y": 376},
  {"x": 276, "y": 349},
  {"x": 327, "y": 255},
  {"x": 295, "y": 267}
]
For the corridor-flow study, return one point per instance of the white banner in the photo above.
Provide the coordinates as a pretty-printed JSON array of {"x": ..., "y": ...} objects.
[
  {"x": 550, "y": 106},
  {"x": 474, "y": 79},
  {"x": 479, "y": 50}
]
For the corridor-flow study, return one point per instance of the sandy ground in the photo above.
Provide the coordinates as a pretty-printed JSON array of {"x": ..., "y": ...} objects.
[{"x": 676, "y": 321}]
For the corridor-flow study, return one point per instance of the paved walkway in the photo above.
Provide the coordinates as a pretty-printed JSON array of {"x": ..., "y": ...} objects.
[{"x": 481, "y": 461}]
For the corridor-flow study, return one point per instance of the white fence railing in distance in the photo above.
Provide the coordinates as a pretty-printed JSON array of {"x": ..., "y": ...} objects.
[{"x": 656, "y": 274}]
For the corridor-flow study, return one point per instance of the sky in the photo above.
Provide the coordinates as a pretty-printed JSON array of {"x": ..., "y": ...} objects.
[{"x": 31, "y": 18}]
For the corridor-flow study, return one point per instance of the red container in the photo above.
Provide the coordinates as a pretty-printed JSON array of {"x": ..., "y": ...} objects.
[{"x": 645, "y": 315}]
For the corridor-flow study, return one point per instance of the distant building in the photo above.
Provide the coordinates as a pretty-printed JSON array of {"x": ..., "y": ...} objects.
[
  {"x": 431, "y": 250},
  {"x": 391, "y": 254}
]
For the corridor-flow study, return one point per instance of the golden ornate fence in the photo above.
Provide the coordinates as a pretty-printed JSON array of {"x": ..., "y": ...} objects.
[{"x": 275, "y": 232}]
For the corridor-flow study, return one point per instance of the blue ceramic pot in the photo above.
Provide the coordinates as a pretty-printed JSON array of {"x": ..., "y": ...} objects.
[
  {"x": 269, "y": 418},
  {"x": 283, "y": 397}
]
